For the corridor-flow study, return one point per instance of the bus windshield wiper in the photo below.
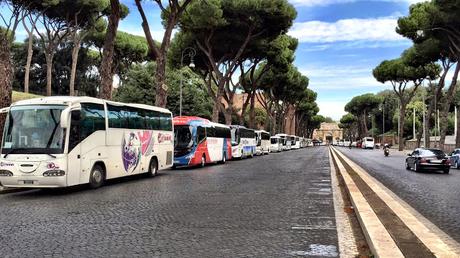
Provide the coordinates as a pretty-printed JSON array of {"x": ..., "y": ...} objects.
[
  {"x": 13, "y": 150},
  {"x": 51, "y": 155}
]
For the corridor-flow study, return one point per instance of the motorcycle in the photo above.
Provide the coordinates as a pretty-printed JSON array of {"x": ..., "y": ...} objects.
[{"x": 386, "y": 152}]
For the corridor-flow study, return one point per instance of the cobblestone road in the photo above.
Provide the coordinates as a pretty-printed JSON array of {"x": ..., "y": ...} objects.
[
  {"x": 273, "y": 206},
  {"x": 433, "y": 194}
]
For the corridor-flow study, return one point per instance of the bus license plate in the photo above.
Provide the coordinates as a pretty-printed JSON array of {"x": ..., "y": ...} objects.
[{"x": 28, "y": 182}]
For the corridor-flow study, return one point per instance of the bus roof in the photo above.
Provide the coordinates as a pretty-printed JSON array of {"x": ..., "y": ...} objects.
[
  {"x": 70, "y": 100},
  {"x": 261, "y": 131},
  {"x": 188, "y": 120}
]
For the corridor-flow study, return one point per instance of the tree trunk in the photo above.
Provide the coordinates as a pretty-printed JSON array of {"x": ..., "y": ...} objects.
[
  {"x": 107, "y": 55},
  {"x": 30, "y": 52},
  {"x": 6, "y": 76},
  {"x": 429, "y": 114},
  {"x": 49, "y": 71},
  {"x": 457, "y": 137},
  {"x": 160, "y": 78},
  {"x": 252, "y": 112},
  {"x": 228, "y": 115},
  {"x": 402, "y": 119},
  {"x": 444, "y": 111},
  {"x": 215, "y": 112},
  {"x": 73, "y": 71}
]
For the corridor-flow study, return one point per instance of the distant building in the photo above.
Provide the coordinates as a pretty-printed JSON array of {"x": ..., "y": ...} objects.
[{"x": 328, "y": 132}]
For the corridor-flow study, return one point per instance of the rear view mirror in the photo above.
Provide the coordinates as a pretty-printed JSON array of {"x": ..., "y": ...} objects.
[{"x": 64, "y": 122}]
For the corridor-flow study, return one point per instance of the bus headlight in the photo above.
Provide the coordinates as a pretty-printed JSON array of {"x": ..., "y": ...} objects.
[
  {"x": 54, "y": 173},
  {"x": 5, "y": 173}
]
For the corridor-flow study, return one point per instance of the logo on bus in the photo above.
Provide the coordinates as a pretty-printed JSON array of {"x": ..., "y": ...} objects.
[
  {"x": 164, "y": 138},
  {"x": 52, "y": 165},
  {"x": 131, "y": 151},
  {"x": 146, "y": 142},
  {"x": 4, "y": 164}
]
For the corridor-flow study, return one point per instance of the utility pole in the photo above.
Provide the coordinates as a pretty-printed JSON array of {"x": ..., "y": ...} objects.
[
  {"x": 413, "y": 124},
  {"x": 455, "y": 123},
  {"x": 424, "y": 127}
]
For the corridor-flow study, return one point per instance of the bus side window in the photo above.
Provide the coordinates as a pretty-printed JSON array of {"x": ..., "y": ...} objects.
[
  {"x": 74, "y": 130},
  {"x": 201, "y": 134}
]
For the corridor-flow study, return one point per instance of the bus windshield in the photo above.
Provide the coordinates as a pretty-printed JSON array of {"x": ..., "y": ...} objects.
[
  {"x": 183, "y": 137},
  {"x": 34, "y": 130},
  {"x": 274, "y": 140},
  {"x": 235, "y": 137}
]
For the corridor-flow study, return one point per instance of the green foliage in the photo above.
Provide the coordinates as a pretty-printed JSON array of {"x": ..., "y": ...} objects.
[
  {"x": 363, "y": 104},
  {"x": 398, "y": 70},
  {"x": 128, "y": 49},
  {"x": 137, "y": 88},
  {"x": 86, "y": 81}
]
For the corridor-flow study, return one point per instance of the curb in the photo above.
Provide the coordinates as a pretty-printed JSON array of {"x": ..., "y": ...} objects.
[
  {"x": 426, "y": 233},
  {"x": 379, "y": 240}
]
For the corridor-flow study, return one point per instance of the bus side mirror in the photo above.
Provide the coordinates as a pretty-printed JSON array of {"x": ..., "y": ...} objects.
[
  {"x": 4, "y": 110},
  {"x": 65, "y": 118}
]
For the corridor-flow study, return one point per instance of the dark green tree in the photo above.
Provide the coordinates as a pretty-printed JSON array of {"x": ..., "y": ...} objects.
[{"x": 402, "y": 75}]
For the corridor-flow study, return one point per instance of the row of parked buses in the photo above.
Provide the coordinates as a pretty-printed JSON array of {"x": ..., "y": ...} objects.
[{"x": 64, "y": 141}]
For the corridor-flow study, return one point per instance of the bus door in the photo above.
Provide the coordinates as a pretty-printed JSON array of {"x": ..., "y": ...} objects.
[{"x": 74, "y": 154}]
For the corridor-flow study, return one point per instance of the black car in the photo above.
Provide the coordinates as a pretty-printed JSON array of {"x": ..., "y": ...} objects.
[{"x": 429, "y": 159}]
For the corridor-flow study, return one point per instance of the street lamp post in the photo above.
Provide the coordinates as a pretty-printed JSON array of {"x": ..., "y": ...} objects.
[
  {"x": 190, "y": 52},
  {"x": 383, "y": 123}
]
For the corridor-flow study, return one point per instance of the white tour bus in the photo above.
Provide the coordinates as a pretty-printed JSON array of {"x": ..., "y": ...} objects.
[
  {"x": 262, "y": 142},
  {"x": 368, "y": 143},
  {"x": 296, "y": 142},
  {"x": 243, "y": 141},
  {"x": 65, "y": 141},
  {"x": 276, "y": 144},
  {"x": 285, "y": 140}
]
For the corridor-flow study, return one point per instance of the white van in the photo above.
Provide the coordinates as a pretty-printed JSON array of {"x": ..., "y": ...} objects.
[{"x": 368, "y": 143}]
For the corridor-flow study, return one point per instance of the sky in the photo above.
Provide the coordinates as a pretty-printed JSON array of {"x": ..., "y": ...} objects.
[{"x": 340, "y": 42}]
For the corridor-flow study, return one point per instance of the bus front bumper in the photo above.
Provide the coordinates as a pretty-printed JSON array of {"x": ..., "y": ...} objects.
[{"x": 33, "y": 181}]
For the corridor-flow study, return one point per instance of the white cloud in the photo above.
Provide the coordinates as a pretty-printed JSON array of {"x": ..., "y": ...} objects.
[
  {"x": 374, "y": 29},
  {"x": 333, "y": 109}
]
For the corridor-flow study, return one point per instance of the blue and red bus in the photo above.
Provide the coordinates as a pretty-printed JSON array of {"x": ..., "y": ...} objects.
[{"x": 198, "y": 141}]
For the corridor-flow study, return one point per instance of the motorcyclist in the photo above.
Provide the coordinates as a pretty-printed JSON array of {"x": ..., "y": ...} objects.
[{"x": 386, "y": 149}]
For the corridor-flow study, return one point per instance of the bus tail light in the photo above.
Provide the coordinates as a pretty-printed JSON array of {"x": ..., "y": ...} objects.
[
  {"x": 5, "y": 173},
  {"x": 54, "y": 173}
]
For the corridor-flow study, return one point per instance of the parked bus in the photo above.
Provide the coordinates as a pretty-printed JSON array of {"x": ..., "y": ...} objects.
[
  {"x": 296, "y": 143},
  {"x": 291, "y": 138},
  {"x": 276, "y": 144},
  {"x": 367, "y": 143},
  {"x": 65, "y": 141},
  {"x": 286, "y": 141},
  {"x": 243, "y": 141},
  {"x": 197, "y": 141},
  {"x": 262, "y": 142}
]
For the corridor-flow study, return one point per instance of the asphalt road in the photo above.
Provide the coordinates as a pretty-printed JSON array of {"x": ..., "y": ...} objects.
[
  {"x": 434, "y": 195},
  {"x": 278, "y": 205}
]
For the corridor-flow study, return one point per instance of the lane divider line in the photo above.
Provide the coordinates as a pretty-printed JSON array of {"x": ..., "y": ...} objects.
[
  {"x": 379, "y": 240},
  {"x": 428, "y": 237}
]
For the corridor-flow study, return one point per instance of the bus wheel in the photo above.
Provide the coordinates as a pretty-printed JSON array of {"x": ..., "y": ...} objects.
[
  {"x": 224, "y": 158},
  {"x": 96, "y": 178},
  {"x": 203, "y": 161},
  {"x": 153, "y": 168}
]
